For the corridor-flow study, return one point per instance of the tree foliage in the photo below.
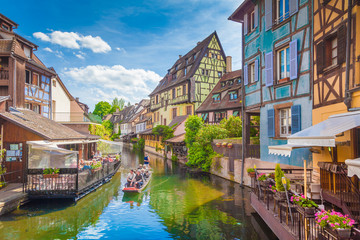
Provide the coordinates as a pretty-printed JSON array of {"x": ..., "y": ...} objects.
[
  {"x": 102, "y": 108},
  {"x": 192, "y": 127},
  {"x": 109, "y": 126},
  {"x": 117, "y": 104},
  {"x": 233, "y": 125},
  {"x": 99, "y": 130},
  {"x": 165, "y": 132}
]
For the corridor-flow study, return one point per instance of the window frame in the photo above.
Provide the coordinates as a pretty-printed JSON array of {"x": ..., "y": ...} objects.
[
  {"x": 232, "y": 94},
  {"x": 30, "y": 77},
  {"x": 216, "y": 99},
  {"x": 288, "y": 119},
  {"x": 251, "y": 21},
  {"x": 279, "y": 78},
  {"x": 251, "y": 72},
  {"x": 285, "y": 16}
]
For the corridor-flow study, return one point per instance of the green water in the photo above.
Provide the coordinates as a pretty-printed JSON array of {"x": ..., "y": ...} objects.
[{"x": 175, "y": 205}]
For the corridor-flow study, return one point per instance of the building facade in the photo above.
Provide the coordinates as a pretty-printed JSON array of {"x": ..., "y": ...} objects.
[
  {"x": 277, "y": 71},
  {"x": 189, "y": 81},
  {"x": 224, "y": 100}
]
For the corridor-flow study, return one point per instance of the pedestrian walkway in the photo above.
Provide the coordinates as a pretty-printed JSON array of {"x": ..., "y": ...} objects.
[{"x": 11, "y": 197}]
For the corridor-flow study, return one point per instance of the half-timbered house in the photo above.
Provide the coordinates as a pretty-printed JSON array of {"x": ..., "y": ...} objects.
[
  {"x": 189, "y": 81},
  {"x": 22, "y": 75},
  {"x": 277, "y": 72}
]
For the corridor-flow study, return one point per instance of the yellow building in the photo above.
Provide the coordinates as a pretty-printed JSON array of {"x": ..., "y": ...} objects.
[{"x": 188, "y": 81}]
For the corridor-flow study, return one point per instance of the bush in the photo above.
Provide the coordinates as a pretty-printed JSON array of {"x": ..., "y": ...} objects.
[
  {"x": 233, "y": 125},
  {"x": 192, "y": 127},
  {"x": 165, "y": 132},
  {"x": 174, "y": 158},
  {"x": 249, "y": 170},
  {"x": 279, "y": 174}
]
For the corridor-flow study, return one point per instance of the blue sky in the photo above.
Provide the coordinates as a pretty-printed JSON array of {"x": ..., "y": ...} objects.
[{"x": 106, "y": 49}]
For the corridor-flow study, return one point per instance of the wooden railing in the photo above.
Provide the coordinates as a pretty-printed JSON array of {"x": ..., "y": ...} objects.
[
  {"x": 339, "y": 189},
  {"x": 4, "y": 74}
]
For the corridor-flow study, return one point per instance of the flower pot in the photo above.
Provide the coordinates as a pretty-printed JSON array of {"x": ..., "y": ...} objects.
[
  {"x": 305, "y": 211},
  {"x": 50, "y": 175},
  {"x": 264, "y": 184},
  {"x": 224, "y": 145},
  {"x": 252, "y": 174},
  {"x": 218, "y": 145},
  {"x": 344, "y": 233},
  {"x": 230, "y": 145}
]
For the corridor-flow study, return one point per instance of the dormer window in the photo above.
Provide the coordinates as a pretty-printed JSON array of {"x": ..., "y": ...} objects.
[
  {"x": 187, "y": 61},
  {"x": 231, "y": 82},
  {"x": 194, "y": 56},
  {"x": 27, "y": 52},
  {"x": 176, "y": 67},
  {"x": 233, "y": 95},
  {"x": 219, "y": 74},
  {"x": 223, "y": 84},
  {"x": 216, "y": 98},
  {"x": 238, "y": 81},
  {"x": 185, "y": 71},
  {"x": 6, "y": 27}
]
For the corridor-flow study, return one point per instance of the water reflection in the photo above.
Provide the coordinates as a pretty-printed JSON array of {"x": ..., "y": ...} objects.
[{"x": 175, "y": 205}]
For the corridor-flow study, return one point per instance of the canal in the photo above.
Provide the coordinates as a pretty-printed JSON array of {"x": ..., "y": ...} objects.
[{"x": 175, "y": 205}]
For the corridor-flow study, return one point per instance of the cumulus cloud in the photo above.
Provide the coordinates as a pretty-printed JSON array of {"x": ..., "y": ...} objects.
[
  {"x": 74, "y": 40},
  {"x": 48, "y": 49},
  {"x": 107, "y": 82}
]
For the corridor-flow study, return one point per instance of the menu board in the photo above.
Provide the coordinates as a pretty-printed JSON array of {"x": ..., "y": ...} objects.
[{"x": 14, "y": 152}]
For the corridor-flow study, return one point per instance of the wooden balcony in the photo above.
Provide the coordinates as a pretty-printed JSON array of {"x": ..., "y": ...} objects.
[{"x": 4, "y": 74}]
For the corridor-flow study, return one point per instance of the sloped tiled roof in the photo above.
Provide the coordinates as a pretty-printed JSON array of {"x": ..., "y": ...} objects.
[
  {"x": 209, "y": 105},
  {"x": 198, "y": 51},
  {"x": 42, "y": 126},
  {"x": 178, "y": 120}
]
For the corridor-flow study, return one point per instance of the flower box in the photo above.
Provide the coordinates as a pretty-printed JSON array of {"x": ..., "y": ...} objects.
[
  {"x": 306, "y": 211},
  {"x": 50, "y": 175},
  {"x": 344, "y": 233},
  {"x": 280, "y": 196},
  {"x": 252, "y": 174}
]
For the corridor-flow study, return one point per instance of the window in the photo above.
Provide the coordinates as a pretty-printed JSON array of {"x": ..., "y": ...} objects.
[
  {"x": 176, "y": 67},
  {"x": 194, "y": 56},
  {"x": 252, "y": 20},
  {"x": 36, "y": 108},
  {"x": 207, "y": 72},
  {"x": 174, "y": 113},
  {"x": 185, "y": 71},
  {"x": 36, "y": 79},
  {"x": 6, "y": 27},
  {"x": 283, "y": 63},
  {"x": 216, "y": 98},
  {"x": 27, "y": 77},
  {"x": 233, "y": 95},
  {"x": 188, "y": 110},
  {"x": 54, "y": 83},
  {"x": 238, "y": 81},
  {"x": 157, "y": 99},
  {"x": 173, "y": 93},
  {"x": 219, "y": 116},
  {"x": 223, "y": 84},
  {"x": 213, "y": 55},
  {"x": 184, "y": 90},
  {"x": 251, "y": 73},
  {"x": 285, "y": 122},
  {"x": 282, "y": 10},
  {"x": 331, "y": 52},
  {"x": 27, "y": 52},
  {"x": 27, "y": 106},
  {"x": 174, "y": 76},
  {"x": 178, "y": 91},
  {"x": 219, "y": 74},
  {"x": 165, "y": 121},
  {"x": 187, "y": 61},
  {"x": 231, "y": 82}
]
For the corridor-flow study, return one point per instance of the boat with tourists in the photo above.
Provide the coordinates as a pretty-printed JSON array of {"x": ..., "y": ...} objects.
[
  {"x": 57, "y": 172},
  {"x": 135, "y": 189}
]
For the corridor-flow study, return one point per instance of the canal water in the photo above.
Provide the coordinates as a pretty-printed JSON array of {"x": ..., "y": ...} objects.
[{"x": 175, "y": 205}]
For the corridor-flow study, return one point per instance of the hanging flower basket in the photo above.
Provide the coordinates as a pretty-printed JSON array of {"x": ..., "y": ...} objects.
[
  {"x": 306, "y": 211},
  {"x": 252, "y": 174},
  {"x": 280, "y": 196},
  {"x": 50, "y": 175}
]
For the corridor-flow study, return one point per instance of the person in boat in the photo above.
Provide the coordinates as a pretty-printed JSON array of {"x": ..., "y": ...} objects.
[
  {"x": 138, "y": 180},
  {"x": 146, "y": 160},
  {"x": 130, "y": 178},
  {"x": 146, "y": 174}
]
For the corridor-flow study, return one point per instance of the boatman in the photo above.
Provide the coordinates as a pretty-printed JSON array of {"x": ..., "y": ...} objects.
[{"x": 146, "y": 160}]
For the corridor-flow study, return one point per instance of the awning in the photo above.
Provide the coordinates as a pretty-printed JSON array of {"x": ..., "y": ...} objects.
[
  {"x": 322, "y": 134},
  {"x": 353, "y": 167}
]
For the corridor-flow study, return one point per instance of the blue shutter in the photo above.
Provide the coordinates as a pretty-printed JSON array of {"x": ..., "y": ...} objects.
[
  {"x": 269, "y": 75},
  {"x": 256, "y": 69},
  {"x": 295, "y": 119},
  {"x": 293, "y": 59},
  {"x": 271, "y": 123},
  {"x": 268, "y": 14},
  {"x": 256, "y": 16},
  {"x": 293, "y": 6},
  {"x": 245, "y": 24},
  {"x": 246, "y": 76}
]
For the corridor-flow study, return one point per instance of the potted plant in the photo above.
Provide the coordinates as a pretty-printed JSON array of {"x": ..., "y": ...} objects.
[
  {"x": 336, "y": 221},
  {"x": 96, "y": 167},
  {"x": 251, "y": 172},
  {"x": 51, "y": 173},
  {"x": 224, "y": 144},
  {"x": 230, "y": 145},
  {"x": 262, "y": 178},
  {"x": 117, "y": 157},
  {"x": 271, "y": 175},
  {"x": 304, "y": 205},
  {"x": 280, "y": 194},
  {"x": 218, "y": 144}
]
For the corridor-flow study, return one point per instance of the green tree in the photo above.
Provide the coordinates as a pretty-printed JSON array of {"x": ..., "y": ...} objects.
[
  {"x": 99, "y": 130},
  {"x": 109, "y": 127},
  {"x": 102, "y": 108},
  {"x": 117, "y": 104},
  {"x": 192, "y": 127},
  {"x": 165, "y": 132},
  {"x": 233, "y": 125}
]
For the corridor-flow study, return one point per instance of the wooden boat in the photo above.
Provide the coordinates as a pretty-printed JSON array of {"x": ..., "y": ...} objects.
[{"x": 138, "y": 190}]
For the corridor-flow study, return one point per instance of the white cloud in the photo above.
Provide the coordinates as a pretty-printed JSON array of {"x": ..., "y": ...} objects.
[
  {"x": 48, "y": 49},
  {"x": 75, "y": 41},
  {"x": 120, "y": 49},
  {"x": 80, "y": 55},
  {"x": 107, "y": 82}
]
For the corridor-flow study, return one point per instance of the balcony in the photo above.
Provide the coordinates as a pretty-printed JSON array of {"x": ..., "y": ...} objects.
[
  {"x": 155, "y": 106},
  {"x": 179, "y": 99},
  {"x": 4, "y": 74}
]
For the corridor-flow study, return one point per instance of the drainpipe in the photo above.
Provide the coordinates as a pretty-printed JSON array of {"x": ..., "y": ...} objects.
[
  {"x": 243, "y": 108},
  {"x": 347, "y": 100}
]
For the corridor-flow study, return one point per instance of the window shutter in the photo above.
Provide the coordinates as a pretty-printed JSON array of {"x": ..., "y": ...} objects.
[
  {"x": 295, "y": 119},
  {"x": 293, "y": 6},
  {"x": 256, "y": 69},
  {"x": 341, "y": 48},
  {"x": 320, "y": 57},
  {"x": 293, "y": 60},
  {"x": 256, "y": 16},
  {"x": 268, "y": 14},
  {"x": 269, "y": 76},
  {"x": 271, "y": 123},
  {"x": 246, "y": 76},
  {"x": 245, "y": 24}
]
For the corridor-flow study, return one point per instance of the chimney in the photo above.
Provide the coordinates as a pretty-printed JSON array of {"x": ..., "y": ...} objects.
[
  {"x": 198, "y": 43},
  {"x": 228, "y": 64},
  {"x": 77, "y": 99},
  {"x": 180, "y": 56}
]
